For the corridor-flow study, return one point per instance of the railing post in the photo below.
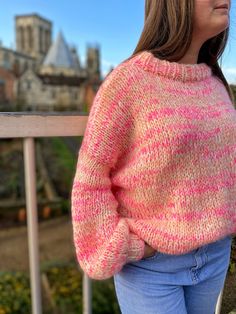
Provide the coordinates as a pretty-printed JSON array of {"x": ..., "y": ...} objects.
[
  {"x": 87, "y": 295},
  {"x": 219, "y": 302},
  {"x": 32, "y": 223}
]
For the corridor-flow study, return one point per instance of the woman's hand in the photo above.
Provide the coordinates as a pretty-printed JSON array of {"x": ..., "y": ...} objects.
[{"x": 148, "y": 251}]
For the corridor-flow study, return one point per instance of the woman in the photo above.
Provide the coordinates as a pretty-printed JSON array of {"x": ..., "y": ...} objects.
[{"x": 153, "y": 197}]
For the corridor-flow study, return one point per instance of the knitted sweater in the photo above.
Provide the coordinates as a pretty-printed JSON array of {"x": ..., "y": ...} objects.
[{"x": 157, "y": 164}]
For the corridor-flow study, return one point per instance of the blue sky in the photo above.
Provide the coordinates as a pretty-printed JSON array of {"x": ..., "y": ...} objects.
[{"x": 114, "y": 25}]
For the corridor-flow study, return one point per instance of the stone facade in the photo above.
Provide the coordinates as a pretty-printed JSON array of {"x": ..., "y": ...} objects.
[
  {"x": 49, "y": 74},
  {"x": 33, "y": 35},
  {"x": 48, "y": 92},
  {"x": 90, "y": 90},
  {"x": 93, "y": 62},
  {"x": 15, "y": 61},
  {"x": 7, "y": 86}
]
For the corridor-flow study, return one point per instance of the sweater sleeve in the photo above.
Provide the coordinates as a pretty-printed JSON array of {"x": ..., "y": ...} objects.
[{"x": 102, "y": 239}]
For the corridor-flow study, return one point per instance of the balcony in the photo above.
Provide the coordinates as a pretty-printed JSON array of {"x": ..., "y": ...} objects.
[{"x": 29, "y": 126}]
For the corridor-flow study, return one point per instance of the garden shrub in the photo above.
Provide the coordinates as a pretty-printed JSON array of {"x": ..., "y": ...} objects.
[
  {"x": 66, "y": 285},
  {"x": 15, "y": 296}
]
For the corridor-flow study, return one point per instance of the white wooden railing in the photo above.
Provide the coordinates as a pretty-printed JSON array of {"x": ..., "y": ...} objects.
[{"x": 28, "y": 125}]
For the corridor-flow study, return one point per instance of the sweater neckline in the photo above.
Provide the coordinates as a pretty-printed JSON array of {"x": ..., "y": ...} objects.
[{"x": 173, "y": 70}]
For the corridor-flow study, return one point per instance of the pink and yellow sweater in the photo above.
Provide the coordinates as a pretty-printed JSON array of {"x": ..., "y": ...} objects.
[{"x": 157, "y": 164}]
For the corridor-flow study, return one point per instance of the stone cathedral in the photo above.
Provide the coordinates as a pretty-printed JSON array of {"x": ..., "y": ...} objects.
[{"x": 48, "y": 73}]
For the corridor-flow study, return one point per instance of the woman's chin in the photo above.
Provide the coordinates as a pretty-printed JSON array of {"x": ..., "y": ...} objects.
[{"x": 221, "y": 25}]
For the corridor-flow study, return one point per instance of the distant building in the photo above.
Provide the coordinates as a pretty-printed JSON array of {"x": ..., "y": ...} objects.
[
  {"x": 50, "y": 92},
  {"x": 49, "y": 74},
  {"x": 90, "y": 91},
  {"x": 93, "y": 63},
  {"x": 60, "y": 59},
  {"x": 7, "y": 87},
  {"x": 33, "y": 35},
  {"x": 91, "y": 88},
  {"x": 15, "y": 62},
  {"x": 57, "y": 84},
  {"x": 33, "y": 38}
]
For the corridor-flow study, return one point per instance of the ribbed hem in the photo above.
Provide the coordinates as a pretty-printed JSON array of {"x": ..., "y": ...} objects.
[{"x": 172, "y": 70}]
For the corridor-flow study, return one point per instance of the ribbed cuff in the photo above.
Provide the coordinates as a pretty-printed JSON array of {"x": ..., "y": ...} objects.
[{"x": 136, "y": 248}]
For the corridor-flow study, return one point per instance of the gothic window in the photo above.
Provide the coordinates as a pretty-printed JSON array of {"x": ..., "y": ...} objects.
[
  {"x": 28, "y": 84},
  {"x": 40, "y": 39},
  {"x": 75, "y": 95},
  {"x": 47, "y": 39},
  {"x": 53, "y": 94},
  {"x": 30, "y": 37},
  {"x": 22, "y": 37},
  {"x": 90, "y": 63}
]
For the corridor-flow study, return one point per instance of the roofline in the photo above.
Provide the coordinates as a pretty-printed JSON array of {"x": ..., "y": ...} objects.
[
  {"x": 18, "y": 53},
  {"x": 57, "y": 80},
  {"x": 33, "y": 15}
]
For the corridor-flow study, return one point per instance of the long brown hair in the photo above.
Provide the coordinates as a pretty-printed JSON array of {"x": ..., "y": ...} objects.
[{"x": 167, "y": 33}]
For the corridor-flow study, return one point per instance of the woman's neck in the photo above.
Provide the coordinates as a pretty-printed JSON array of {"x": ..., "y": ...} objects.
[{"x": 191, "y": 56}]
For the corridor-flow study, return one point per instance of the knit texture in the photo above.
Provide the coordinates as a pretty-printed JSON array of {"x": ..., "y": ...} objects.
[{"x": 157, "y": 164}]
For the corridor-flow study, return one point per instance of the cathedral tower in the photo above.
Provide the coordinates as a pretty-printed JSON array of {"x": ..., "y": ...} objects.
[
  {"x": 93, "y": 61},
  {"x": 33, "y": 35}
]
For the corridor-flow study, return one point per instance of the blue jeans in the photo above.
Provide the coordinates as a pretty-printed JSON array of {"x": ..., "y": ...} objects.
[{"x": 174, "y": 284}]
